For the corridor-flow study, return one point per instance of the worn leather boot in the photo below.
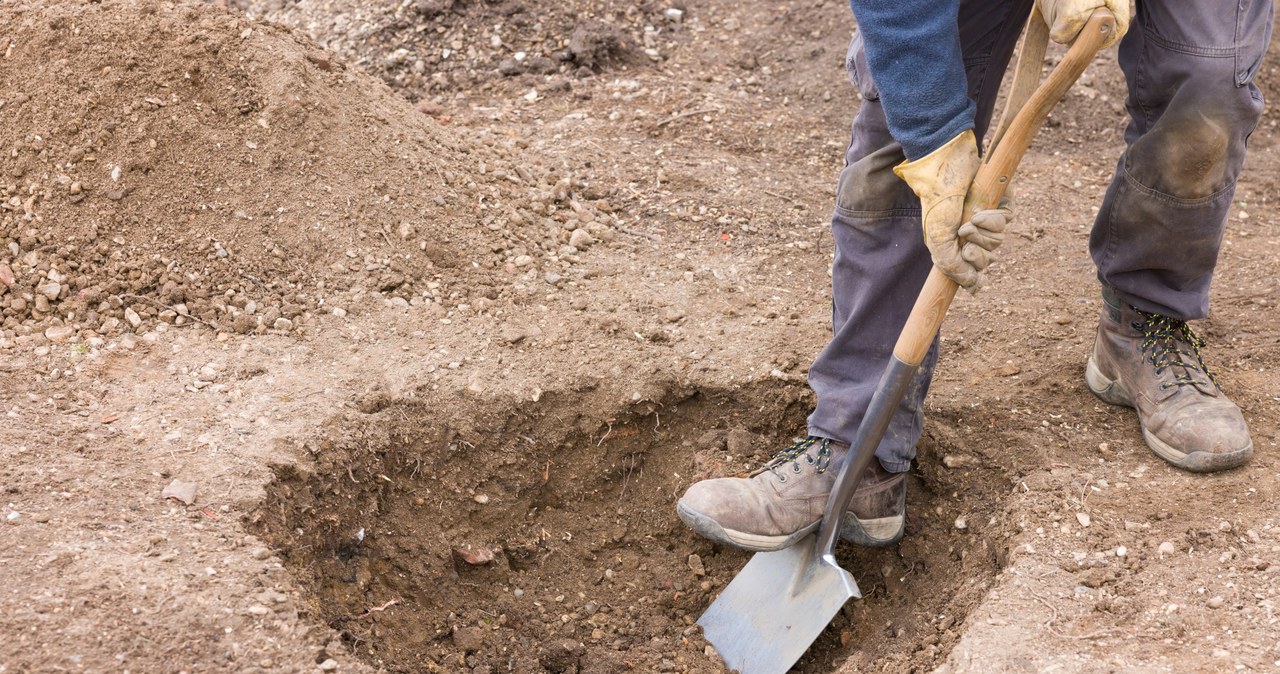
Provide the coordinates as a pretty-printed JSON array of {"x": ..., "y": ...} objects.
[
  {"x": 1153, "y": 364},
  {"x": 780, "y": 503}
]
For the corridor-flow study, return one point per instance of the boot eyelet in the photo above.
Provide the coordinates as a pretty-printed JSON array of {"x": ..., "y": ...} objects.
[
  {"x": 809, "y": 459},
  {"x": 795, "y": 468},
  {"x": 782, "y": 478}
]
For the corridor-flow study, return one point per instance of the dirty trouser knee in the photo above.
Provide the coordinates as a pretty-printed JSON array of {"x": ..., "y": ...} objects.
[
  {"x": 1192, "y": 104},
  {"x": 880, "y": 257}
]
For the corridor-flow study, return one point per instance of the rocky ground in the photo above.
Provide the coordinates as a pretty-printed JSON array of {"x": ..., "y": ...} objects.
[{"x": 367, "y": 336}]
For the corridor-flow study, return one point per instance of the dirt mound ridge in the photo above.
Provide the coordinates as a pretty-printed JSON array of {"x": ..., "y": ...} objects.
[
  {"x": 442, "y": 47},
  {"x": 179, "y": 164}
]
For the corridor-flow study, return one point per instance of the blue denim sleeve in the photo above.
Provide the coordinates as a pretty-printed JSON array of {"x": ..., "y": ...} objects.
[{"x": 913, "y": 51}]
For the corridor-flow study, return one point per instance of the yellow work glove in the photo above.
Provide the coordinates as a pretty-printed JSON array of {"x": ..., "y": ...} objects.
[
  {"x": 1067, "y": 17},
  {"x": 962, "y": 250}
]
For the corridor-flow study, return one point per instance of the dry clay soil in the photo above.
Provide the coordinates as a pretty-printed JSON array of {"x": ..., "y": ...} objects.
[{"x": 440, "y": 305}]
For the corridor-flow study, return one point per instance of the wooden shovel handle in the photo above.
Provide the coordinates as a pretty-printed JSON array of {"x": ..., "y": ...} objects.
[{"x": 994, "y": 177}]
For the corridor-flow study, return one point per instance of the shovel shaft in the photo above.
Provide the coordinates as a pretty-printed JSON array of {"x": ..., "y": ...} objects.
[{"x": 930, "y": 308}]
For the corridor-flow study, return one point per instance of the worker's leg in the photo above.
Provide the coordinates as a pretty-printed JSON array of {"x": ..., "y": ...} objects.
[
  {"x": 880, "y": 265},
  {"x": 1192, "y": 105},
  {"x": 880, "y": 257}
]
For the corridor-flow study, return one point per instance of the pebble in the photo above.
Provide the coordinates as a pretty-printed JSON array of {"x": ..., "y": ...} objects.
[
  {"x": 259, "y": 609},
  {"x": 1216, "y": 602},
  {"x": 329, "y": 665},
  {"x": 954, "y": 461},
  {"x": 962, "y": 523},
  {"x": 580, "y": 239},
  {"x": 1084, "y": 519},
  {"x": 522, "y": 261},
  {"x": 482, "y": 499},
  {"x": 132, "y": 317},
  {"x": 339, "y": 312},
  {"x": 282, "y": 323},
  {"x": 696, "y": 566},
  {"x": 1166, "y": 548},
  {"x": 13, "y": 516},
  {"x": 59, "y": 333},
  {"x": 50, "y": 290}
]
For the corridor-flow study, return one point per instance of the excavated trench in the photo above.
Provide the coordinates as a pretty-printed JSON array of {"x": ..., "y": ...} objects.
[{"x": 468, "y": 535}]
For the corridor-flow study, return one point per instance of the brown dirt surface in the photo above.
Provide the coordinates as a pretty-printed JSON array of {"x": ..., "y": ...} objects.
[{"x": 440, "y": 305}]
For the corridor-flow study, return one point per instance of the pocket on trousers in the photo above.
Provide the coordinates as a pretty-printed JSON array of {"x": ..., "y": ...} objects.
[
  {"x": 1253, "y": 34},
  {"x": 855, "y": 66}
]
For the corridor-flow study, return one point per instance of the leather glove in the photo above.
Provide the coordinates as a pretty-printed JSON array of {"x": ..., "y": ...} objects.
[
  {"x": 962, "y": 250},
  {"x": 1066, "y": 18}
]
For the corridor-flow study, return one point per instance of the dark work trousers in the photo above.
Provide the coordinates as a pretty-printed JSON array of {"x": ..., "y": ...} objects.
[{"x": 1189, "y": 65}]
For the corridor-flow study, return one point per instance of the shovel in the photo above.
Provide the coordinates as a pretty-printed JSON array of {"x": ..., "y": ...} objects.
[{"x": 779, "y": 603}]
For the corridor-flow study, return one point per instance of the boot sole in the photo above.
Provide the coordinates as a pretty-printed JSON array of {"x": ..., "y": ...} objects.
[
  {"x": 876, "y": 533},
  {"x": 1113, "y": 392},
  {"x": 709, "y": 528}
]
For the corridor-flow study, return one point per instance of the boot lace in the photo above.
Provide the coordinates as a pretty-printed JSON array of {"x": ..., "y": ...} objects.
[
  {"x": 1170, "y": 343},
  {"x": 792, "y": 453}
]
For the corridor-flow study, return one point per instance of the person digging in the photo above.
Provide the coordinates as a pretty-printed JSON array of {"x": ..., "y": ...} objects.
[{"x": 928, "y": 72}]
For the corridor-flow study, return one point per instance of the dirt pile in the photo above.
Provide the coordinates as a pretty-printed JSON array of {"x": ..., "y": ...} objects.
[
  {"x": 435, "y": 47},
  {"x": 180, "y": 165}
]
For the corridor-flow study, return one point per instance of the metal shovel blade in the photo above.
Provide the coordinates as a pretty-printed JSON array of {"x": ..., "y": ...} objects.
[{"x": 776, "y": 606}]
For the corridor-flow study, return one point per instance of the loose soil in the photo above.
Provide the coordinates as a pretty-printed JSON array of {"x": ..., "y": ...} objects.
[{"x": 441, "y": 305}]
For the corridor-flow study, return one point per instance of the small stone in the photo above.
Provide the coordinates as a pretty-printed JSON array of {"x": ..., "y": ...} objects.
[
  {"x": 132, "y": 317},
  {"x": 473, "y": 556},
  {"x": 50, "y": 290},
  {"x": 1122, "y": 551},
  {"x": 695, "y": 565},
  {"x": 13, "y": 516},
  {"x": 260, "y": 553},
  {"x": 1166, "y": 548},
  {"x": 581, "y": 239},
  {"x": 259, "y": 609},
  {"x": 481, "y": 499},
  {"x": 282, "y": 323},
  {"x": 1084, "y": 519},
  {"x": 522, "y": 261},
  {"x": 339, "y": 312},
  {"x": 1221, "y": 653},
  {"x": 553, "y": 278},
  {"x": 329, "y": 665},
  {"x": 180, "y": 491},
  {"x": 962, "y": 523},
  {"x": 59, "y": 333},
  {"x": 1215, "y": 602},
  {"x": 954, "y": 461},
  {"x": 672, "y": 314},
  {"x": 510, "y": 67}
]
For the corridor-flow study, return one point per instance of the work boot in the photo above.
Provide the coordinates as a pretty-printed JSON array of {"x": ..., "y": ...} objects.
[
  {"x": 1153, "y": 364},
  {"x": 780, "y": 503}
]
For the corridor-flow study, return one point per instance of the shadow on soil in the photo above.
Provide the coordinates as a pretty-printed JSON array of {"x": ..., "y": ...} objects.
[{"x": 492, "y": 535}]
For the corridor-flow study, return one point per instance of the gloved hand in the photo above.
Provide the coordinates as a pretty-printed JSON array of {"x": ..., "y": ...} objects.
[
  {"x": 962, "y": 250},
  {"x": 1067, "y": 17}
]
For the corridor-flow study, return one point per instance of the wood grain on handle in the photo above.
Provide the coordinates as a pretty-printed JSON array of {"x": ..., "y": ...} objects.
[{"x": 994, "y": 177}]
